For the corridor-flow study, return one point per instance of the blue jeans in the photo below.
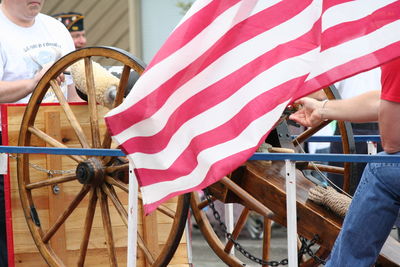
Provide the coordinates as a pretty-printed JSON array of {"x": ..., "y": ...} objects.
[{"x": 370, "y": 218}]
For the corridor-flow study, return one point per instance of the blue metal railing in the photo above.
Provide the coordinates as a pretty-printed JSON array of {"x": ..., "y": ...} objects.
[
  {"x": 256, "y": 156},
  {"x": 337, "y": 138},
  {"x": 61, "y": 151}
]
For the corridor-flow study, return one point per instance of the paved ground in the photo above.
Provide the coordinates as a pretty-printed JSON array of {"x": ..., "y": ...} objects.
[{"x": 203, "y": 256}]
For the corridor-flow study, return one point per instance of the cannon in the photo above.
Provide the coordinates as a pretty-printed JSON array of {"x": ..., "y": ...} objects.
[{"x": 93, "y": 217}]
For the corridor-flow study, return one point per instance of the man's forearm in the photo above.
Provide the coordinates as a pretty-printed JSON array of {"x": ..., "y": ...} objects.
[
  {"x": 362, "y": 108},
  {"x": 13, "y": 91}
]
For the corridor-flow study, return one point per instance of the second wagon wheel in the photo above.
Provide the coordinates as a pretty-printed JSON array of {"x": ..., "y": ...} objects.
[
  {"x": 84, "y": 219},
  {"x": 267, "y": 198}
]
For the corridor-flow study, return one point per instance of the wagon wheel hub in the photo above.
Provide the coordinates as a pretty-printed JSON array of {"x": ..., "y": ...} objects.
[{"x": 90, "y": 171}]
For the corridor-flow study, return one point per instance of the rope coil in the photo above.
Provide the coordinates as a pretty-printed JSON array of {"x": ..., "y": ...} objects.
[{"x": 330, "y": 198}]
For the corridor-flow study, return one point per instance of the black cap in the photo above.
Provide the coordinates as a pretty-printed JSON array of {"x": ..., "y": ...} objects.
[{"x": 72, "y": 20}]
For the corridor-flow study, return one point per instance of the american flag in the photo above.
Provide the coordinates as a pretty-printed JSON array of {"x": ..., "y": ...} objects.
[{"x": 222, "y": 79}]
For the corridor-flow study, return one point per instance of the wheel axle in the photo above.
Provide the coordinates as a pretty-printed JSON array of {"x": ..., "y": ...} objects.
[{"x": 90, "y": 171}]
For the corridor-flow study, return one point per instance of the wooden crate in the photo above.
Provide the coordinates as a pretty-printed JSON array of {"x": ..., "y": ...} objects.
[{"x": 66, "y": 242}]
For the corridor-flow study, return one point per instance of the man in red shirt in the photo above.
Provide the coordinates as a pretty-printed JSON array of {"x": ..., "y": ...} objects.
[{"x": 376, "y": 202}]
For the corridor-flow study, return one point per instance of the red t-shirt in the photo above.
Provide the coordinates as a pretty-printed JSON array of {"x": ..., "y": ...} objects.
[{"x": 390, "y": 80}]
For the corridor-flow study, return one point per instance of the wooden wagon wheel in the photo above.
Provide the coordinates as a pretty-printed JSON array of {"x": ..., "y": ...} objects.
[
  {"x": 101, "y": 180},
  {"x": 235, "y": 189}
]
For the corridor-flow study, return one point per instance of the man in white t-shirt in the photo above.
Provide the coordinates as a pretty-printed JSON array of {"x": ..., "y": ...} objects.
[{"x": 29, "y": 43}]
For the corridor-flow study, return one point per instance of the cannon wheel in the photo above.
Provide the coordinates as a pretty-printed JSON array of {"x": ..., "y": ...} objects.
[
  {"x": 101, "y": 180},
  {"x": 242, "y": 184}
]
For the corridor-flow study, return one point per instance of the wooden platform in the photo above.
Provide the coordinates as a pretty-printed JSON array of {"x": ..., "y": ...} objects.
[{"x": 50, "y": 202}]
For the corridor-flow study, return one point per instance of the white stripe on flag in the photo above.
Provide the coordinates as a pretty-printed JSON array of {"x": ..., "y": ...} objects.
[{"x": 351, "y": 11}]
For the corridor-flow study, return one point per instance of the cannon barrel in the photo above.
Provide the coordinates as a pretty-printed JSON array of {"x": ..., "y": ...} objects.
[{"x": 106, "y": 81}]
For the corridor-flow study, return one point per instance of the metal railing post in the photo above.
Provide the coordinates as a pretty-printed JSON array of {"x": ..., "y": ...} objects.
[
  {"x": 132, "y": 216},
  {"x": 291, "y": 213}
]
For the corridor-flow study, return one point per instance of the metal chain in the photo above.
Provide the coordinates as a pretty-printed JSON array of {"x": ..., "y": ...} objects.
[
  {"x": 42, "y": 169},
  {"x": 237, "y": 246},
  {"x": 306, "y": 248}
]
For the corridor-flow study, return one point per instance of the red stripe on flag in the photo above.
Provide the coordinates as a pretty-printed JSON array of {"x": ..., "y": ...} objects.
[
  {"x": 191, "y": 28},
  {"x": 252, "y": 27},
  {"x": 345, "y": 32}
]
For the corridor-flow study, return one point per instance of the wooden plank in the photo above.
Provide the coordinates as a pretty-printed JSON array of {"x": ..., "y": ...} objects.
[
  {"x": 56, "y": 197},
  {"x": 26, "y": 253}
]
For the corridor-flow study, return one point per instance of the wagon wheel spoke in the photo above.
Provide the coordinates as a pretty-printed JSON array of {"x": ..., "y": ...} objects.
[
  {"x": 70, "y": 114},
  {"x": 110, "y": 180},
  {"x": 266, "y": 240},
  {"x": 61, "y": 219},
  {"x": 105, "y": 214},
  {"x": 124, "y": 215},
  {"x": 164, "y": 210},
  {"x": 106, "y": 141},
  {"x": 92, "y": 104},
  {"x": 122, "y": 85},
  {"x": 238, "y": 229},
  {"x": 122, "y": 167},
  {"x": 111, "y": 194},
  {"x": 249, "y": 200},
  {"x": 51, "y": 141},
  {"x": 123, "y": 82},
  {"x": 106, "y": 144},
  {"x": 309, "y": 132},
  {"x": 87, "y": 227},
  {"x": 147, "y": 253},
  {"x": 52, "y": 181},
  {"x": 205, "y": 203}
]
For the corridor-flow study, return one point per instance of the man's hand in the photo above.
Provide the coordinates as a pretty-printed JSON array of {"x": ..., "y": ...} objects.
[
  {"x": 309, "y": 114},
  {"x": 60, "y": 79}
]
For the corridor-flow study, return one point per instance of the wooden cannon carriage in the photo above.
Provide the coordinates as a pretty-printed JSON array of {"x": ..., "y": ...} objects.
[{"x": 78, "y": 235}]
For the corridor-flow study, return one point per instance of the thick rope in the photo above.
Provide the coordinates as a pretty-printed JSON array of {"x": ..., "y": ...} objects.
[{"x": 330, "y": 198}]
